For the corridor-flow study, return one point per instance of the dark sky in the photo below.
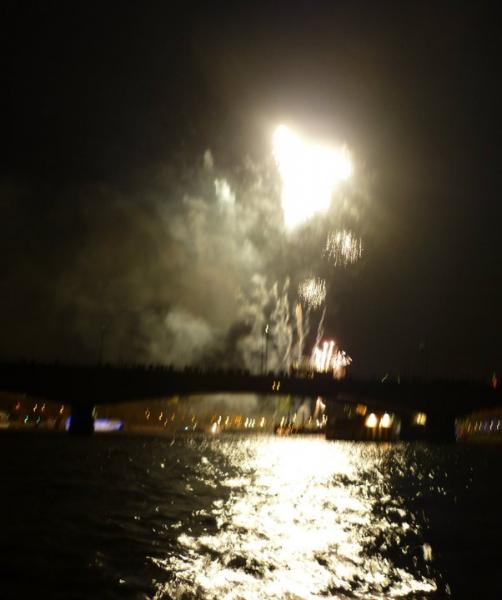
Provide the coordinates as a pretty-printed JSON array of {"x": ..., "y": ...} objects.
[{"x": 98, "y": 96}]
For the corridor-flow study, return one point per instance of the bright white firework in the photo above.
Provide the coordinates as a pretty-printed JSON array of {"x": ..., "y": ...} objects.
[
  {"x": 341, "y": 360},
  {"x": 312, "y": 292},
  {"x": 309, "y": 173},
  {"x": 343, "y": 247},
  {"x": 327, "y": 357}
]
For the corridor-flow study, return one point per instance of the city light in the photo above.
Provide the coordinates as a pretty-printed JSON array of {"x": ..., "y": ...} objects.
[
  {"x": 371, "y": 421},
  {"x": 101, "y": 425},
  {"x": 310, "y": 173},
  {"x": 420, "y": 418},
  {"x": 386, "y": 421}
]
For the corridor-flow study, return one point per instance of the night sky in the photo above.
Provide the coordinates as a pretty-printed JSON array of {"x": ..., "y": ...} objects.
[{"x": 109, "y": 109}]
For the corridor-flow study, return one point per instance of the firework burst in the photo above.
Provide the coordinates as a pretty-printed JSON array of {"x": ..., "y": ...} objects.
[
  {"x": 327, "y": 357},
  {"x": 312, "y": 292},
  {"x": 310, "y": 173},
  {"x": 343, "y": 247}
]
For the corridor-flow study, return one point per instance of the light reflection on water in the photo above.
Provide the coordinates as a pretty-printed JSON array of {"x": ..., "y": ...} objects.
[{"x": 304, "y": 519}]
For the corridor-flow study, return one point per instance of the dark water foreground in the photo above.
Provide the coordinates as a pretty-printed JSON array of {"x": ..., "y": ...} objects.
[{"x": 247, "y": 518}]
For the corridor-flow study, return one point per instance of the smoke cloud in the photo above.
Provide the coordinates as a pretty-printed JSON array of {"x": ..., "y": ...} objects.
[{"x": 186, "y": 266}]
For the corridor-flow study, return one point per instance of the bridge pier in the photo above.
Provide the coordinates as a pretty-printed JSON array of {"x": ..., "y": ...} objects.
[
  {"x": 82, "y": 419},
  {"x": 438, "y": 428}
]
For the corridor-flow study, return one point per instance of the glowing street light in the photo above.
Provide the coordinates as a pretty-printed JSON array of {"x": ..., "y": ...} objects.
[
  {"x": 386, "y": 421},
  {"x": 371, "y": 421}
]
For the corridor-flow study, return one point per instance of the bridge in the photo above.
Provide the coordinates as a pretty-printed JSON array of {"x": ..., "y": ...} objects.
[{"x": 84, "y": 387}]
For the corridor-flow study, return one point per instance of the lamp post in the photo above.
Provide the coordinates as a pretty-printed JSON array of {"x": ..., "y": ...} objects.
[{"x": 266, "y": 349}]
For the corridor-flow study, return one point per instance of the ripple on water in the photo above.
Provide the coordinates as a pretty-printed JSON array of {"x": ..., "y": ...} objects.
[
  {"x": 302, "y": 518},
  {"x": 247, "y": 518}
]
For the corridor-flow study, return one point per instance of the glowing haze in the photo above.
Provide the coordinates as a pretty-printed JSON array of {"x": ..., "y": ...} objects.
[
  {"x": 191, "y": 262},
  {"x": 310, "y": 173}
]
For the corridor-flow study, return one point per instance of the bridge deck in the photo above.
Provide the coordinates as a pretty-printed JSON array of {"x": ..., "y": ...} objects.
[{"x": 111, "y": 384}]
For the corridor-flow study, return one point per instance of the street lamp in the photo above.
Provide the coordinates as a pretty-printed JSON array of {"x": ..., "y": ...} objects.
[{"x": 264, "y": 356}]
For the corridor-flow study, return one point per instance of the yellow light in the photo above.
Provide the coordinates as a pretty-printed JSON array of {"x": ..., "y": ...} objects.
[
  {"x": 361, "y": 409},
  {"x": 420, "y": 418},
  {"x": 309, "y": 173},
  {"x": 371, "y": 420},
  {"x": 386, "y": 421},
  {"x": 214, "y": 428}
]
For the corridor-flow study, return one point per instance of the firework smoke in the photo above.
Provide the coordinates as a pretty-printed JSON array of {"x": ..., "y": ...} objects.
[
  {"x": 299, "y": 332},
  {"x": 266, "y": 312},
  {"x": 187, "y": 267},
  {"x": 320, "y": 328}
]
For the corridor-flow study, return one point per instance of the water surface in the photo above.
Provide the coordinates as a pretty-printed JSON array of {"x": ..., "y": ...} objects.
[{"x": 117, "y": 516}]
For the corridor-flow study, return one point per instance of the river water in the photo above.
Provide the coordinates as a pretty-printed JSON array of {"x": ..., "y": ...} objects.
[{"x": 224, "y": 517}]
